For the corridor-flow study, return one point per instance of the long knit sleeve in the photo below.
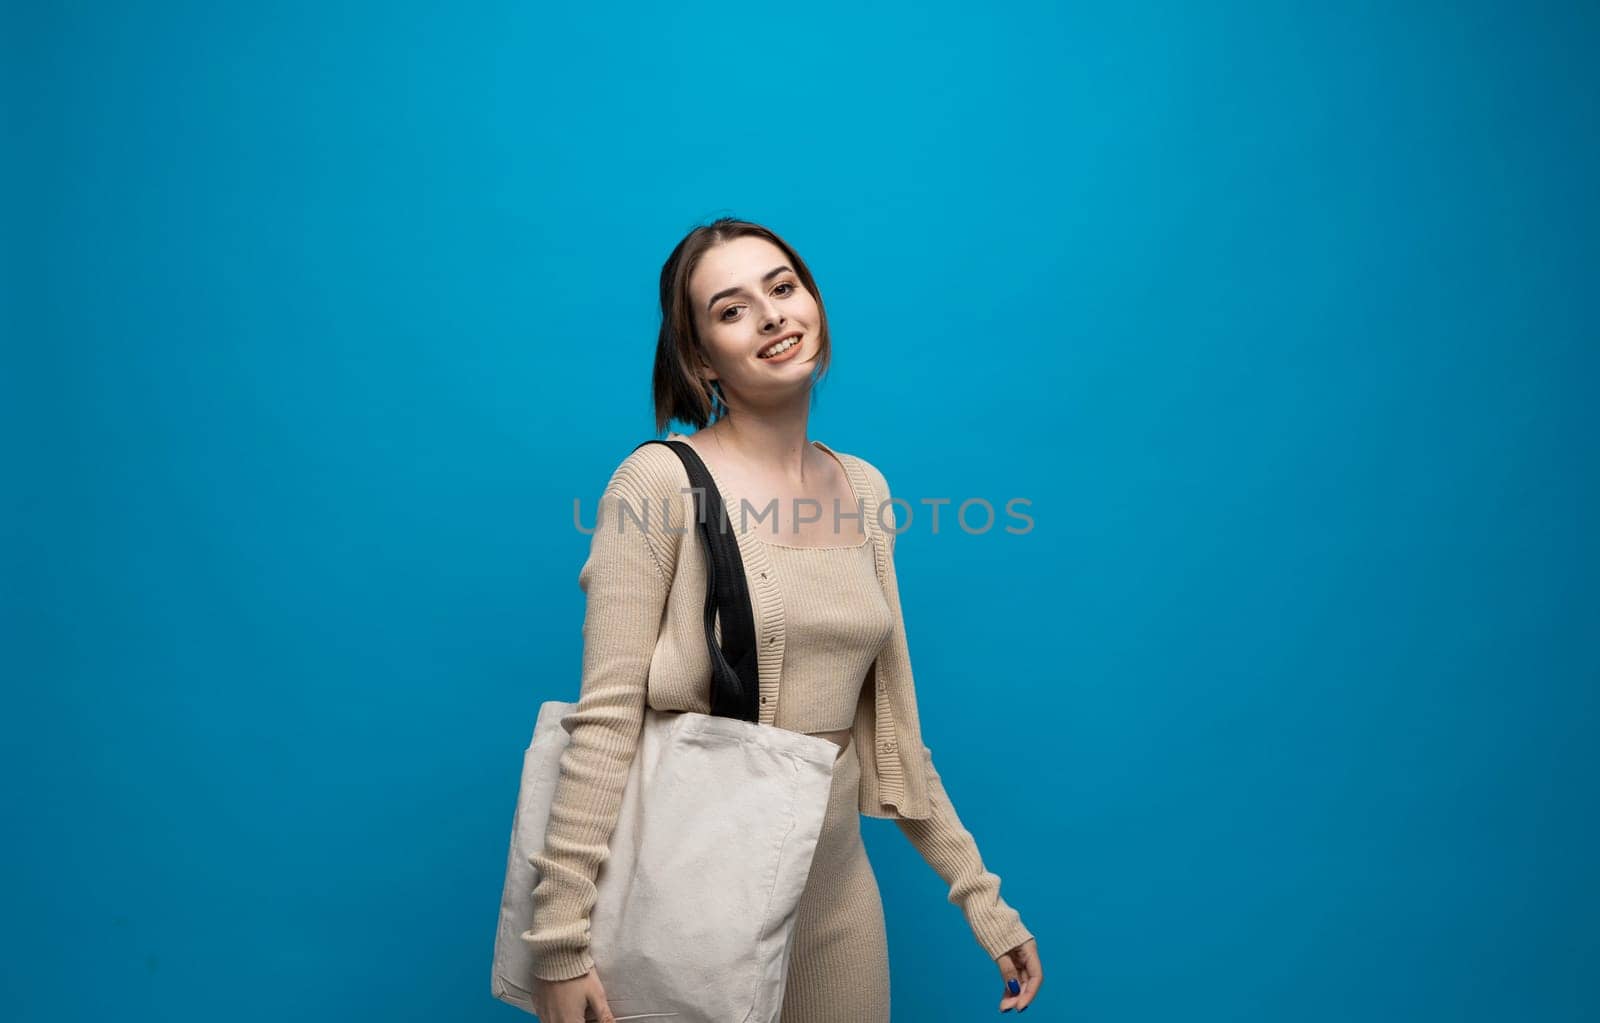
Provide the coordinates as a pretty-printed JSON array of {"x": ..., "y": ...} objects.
[
  {"x": 950, "y": 850},
  {"x": 626, "y": 588},
  {"x": 942, "y": 840}
]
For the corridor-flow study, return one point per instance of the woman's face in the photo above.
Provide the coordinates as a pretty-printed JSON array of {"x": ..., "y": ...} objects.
[{"x": 747, "y": 296}]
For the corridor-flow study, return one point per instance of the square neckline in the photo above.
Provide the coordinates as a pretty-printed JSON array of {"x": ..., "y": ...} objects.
[
  {"x": 723, "y": 487},
  {"x": 816, "y": 546}
]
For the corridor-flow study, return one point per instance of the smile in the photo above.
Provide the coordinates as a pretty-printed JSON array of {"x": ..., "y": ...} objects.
[{"x": 779, "y": 348}]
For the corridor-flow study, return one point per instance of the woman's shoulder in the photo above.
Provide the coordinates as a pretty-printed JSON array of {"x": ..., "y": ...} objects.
[
  {"x": 858, "y": 464},
  {"x": 878, "y": 497},
  {"x": 650, "y": 470},
  {"x": 657, "y": 471},
  {"x": 650, "y": 486}
]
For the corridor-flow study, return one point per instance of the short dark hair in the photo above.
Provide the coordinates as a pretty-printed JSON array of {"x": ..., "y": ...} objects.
[{"x": 679, "y": 391}]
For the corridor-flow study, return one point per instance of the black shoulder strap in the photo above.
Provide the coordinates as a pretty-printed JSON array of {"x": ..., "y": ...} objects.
[{"x": 735, "y": 675}]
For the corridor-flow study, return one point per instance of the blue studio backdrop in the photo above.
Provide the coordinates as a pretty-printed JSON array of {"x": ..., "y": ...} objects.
[{"x": 320, "y": 317}]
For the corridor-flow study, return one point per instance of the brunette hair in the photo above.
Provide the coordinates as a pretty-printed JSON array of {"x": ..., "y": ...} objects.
[{"x": 679, "y": 391}]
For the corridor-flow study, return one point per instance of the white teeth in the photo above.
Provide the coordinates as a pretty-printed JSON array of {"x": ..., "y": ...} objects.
[{"x": 780, "y": 349}]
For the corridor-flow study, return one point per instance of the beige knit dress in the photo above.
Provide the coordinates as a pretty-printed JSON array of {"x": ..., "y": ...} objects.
[{"x": 838, "y": 620}]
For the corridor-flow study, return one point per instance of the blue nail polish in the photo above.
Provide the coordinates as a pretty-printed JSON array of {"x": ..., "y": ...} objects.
[{"x": 1012, "y": 986}]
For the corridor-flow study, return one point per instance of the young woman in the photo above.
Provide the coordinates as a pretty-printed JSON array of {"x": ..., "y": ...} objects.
[{"x": 744, "y": 339}]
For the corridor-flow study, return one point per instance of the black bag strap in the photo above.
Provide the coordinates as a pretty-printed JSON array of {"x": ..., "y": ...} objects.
[{"x": 735, "y": 675}]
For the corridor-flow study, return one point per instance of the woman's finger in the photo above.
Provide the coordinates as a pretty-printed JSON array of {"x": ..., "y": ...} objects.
[
  {"x": 1013, "y": 982},
  {"x": 1034, "y": 971}
]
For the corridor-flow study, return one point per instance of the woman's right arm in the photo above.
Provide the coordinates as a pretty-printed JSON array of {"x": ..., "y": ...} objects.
[{"x": 625, "y": 580}]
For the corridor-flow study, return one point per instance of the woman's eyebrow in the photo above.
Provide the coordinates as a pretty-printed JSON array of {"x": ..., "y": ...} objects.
[{"x": 725, "y": 292}]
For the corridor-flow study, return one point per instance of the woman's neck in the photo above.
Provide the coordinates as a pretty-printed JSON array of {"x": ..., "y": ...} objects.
[{"x": 765, "y": 445}]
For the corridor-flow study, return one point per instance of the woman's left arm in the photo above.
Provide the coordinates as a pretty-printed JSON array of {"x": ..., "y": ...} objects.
[
  {"x": 949, "y": 848},
  {"x": 942, "y": 839}
]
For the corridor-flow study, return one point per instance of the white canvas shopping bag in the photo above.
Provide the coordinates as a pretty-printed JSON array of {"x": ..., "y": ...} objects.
[{"x": 697, "y": 897}]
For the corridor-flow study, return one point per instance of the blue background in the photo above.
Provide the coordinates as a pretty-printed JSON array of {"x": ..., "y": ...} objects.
[{"x": 320, "y": 316}]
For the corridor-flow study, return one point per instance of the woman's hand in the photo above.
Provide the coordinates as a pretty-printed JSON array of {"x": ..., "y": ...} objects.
[
  {"x": 568, "y": 1001},
  {"x": 1021, "y": 965}
]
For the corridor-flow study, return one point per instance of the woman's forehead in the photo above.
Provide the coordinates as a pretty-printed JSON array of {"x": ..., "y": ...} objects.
[{"x": 740, "y": 261}]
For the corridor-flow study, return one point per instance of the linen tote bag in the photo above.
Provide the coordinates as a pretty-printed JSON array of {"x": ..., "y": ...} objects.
[{"x": 720, "y": 817}]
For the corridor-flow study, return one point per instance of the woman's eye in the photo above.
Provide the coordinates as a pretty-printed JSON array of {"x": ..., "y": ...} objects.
[{"x": 786, "y": 284}]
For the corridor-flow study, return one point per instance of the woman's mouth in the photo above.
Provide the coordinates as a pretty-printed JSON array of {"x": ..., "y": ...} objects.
[{"x": 784, "y": 349}]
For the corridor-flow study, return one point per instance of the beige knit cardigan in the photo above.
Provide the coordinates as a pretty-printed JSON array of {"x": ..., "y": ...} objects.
[{"x": 644, "y": 644}]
